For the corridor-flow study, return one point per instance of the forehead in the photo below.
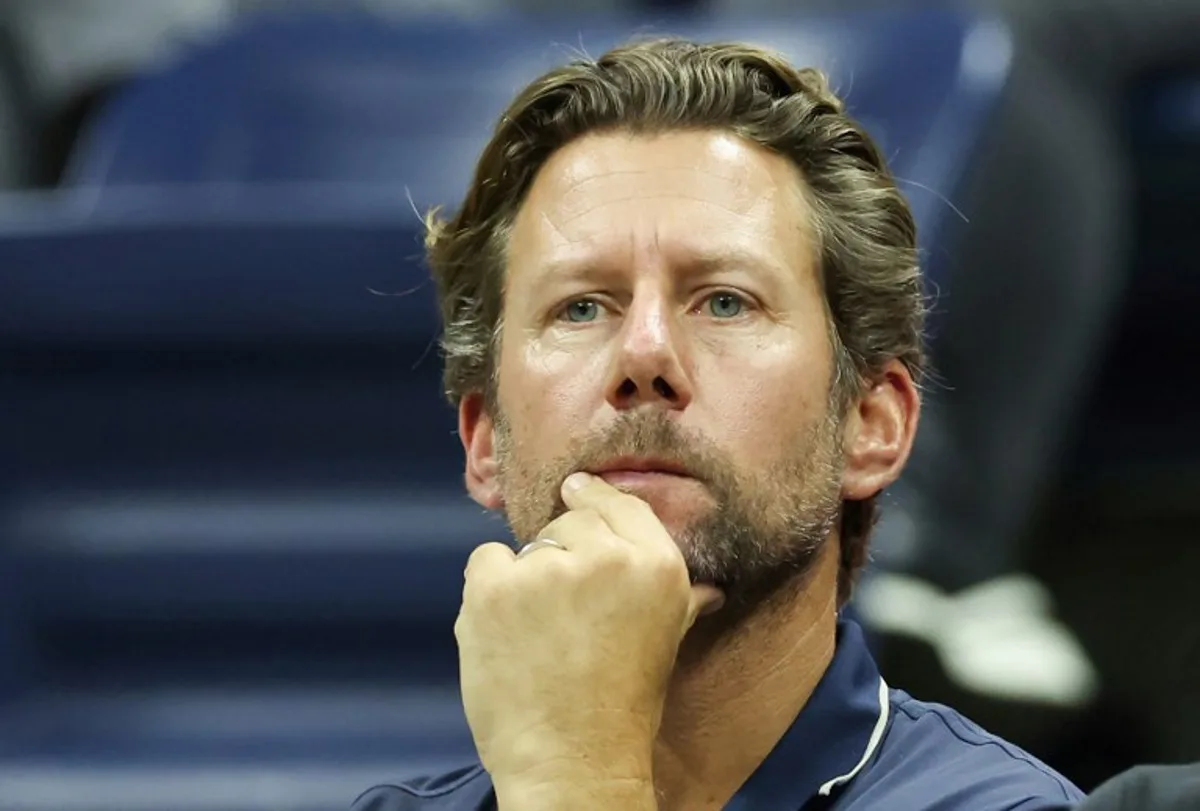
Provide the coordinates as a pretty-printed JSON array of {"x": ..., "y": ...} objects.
[{"x": 609, "y": 197}]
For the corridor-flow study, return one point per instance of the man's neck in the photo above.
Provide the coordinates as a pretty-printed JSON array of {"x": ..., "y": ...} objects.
[{"x": 727, "y": 709}]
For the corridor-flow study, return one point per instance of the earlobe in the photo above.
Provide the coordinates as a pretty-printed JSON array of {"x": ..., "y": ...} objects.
[
  {"x": 477, "y": 432},
  {"x": 879, "y": 433}
]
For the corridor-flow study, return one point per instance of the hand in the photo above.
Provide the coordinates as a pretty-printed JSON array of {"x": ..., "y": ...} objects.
[{"x": 565, "y": 656}]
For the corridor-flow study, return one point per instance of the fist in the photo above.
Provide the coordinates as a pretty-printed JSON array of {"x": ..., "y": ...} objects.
[{"x": 565, "y": 654}]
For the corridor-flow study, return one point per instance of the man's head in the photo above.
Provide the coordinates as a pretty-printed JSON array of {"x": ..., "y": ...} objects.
[{"x": 684, "y": 258}]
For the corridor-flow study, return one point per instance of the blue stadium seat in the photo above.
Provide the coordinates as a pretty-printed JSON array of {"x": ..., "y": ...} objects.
[
  {"x": 232, "y": 523},
  {"x": 345, "y": 97},
  {"x": 207, "y": 380},
  {"x": 233, "y": 507}
]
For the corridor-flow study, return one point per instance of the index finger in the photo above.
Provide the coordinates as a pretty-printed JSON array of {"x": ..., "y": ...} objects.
[{"x": 628, "y": 516}]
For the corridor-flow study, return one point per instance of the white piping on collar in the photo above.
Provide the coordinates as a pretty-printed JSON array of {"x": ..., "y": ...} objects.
[{"x": 872, "y": 743}]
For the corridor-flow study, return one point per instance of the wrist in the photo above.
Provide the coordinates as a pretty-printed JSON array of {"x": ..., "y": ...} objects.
[
  {"x": 596, "y": 776},
  {"x": 592, "y": 753},
  {"x": 580, "y": 790}
]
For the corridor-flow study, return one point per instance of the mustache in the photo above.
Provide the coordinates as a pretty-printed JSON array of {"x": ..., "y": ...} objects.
[{"x": 654, "y": 435}]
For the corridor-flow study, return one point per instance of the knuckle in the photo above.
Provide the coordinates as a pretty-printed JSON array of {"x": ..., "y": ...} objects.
[
  {"x": 614, "y": 560},
  {"x": 667, "y": 567},
  {"x": 560, "y": 568}
]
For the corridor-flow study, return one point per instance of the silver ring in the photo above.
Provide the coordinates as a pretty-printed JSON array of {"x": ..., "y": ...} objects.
[{"x": 540, "y": 543}]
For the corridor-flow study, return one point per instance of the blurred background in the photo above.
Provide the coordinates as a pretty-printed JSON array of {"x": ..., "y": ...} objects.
[{"x": 232, "y": 525}]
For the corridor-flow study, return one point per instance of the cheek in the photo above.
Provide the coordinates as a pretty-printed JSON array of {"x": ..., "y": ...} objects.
[
  {"x": 765, "y": 402},
  {"x": 550, "y": 397}
]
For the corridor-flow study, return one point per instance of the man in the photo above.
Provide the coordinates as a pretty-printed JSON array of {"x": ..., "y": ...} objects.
[
  {"x": 683, "y": 331},
  {"x": 1149, "y": 788}
]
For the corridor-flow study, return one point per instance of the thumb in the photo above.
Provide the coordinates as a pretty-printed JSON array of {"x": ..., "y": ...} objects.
[{"x": 705, "y": 599}]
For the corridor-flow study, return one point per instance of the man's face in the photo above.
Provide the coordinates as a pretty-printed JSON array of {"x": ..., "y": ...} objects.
[{"x": 665, "y": 328}]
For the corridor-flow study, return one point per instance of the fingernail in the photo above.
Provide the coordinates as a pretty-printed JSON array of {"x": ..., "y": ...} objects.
[{"x": 577, "y": 481}]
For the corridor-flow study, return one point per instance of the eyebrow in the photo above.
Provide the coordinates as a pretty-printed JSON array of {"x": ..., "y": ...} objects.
[{"x": 727, "y": 258}]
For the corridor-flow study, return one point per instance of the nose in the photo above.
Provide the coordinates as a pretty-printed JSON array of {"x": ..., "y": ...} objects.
[{"x": 650, "y": 363}]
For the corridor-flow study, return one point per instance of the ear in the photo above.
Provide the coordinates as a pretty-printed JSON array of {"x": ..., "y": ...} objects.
[
  {"x": 477, "y": 432},
  {"x": 879, "y": 432}
]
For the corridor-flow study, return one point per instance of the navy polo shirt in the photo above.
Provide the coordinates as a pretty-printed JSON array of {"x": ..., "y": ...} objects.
[{"x": 856, "y": 746}]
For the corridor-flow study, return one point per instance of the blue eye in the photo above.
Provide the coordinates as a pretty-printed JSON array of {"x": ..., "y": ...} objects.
[
  {"x": 581, "y": 311},
  {"x": 725, "y": 305}
]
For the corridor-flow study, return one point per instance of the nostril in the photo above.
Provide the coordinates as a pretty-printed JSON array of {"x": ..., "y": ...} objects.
[
  {"x": 627, "y": 389},
  {"x": 663, "y": 389}
]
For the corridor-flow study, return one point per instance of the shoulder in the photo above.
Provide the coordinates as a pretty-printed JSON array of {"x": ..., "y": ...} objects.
[
  {"x": 932, "y": 757},
  {"x": 464, "y": 789}
]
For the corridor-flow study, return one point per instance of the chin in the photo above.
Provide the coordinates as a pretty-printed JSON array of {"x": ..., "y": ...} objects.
[{"x": 679, "y": 518}]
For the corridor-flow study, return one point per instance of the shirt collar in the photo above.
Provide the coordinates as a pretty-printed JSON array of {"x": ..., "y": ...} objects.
[{"x": 834, "y": 736}]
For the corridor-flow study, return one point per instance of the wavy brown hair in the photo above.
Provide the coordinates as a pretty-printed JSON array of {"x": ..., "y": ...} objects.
[{"x": 863, "y": 229}]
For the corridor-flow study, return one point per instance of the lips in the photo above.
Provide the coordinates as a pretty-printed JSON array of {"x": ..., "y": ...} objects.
[
  {"x": 639, "y": 467},
  {"x": 630, "y": 478}
]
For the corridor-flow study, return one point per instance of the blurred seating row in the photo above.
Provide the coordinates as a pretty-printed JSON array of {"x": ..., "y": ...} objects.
[
  {"x": 60, "y": 60},
  {"x": 231, "y": 517}
]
